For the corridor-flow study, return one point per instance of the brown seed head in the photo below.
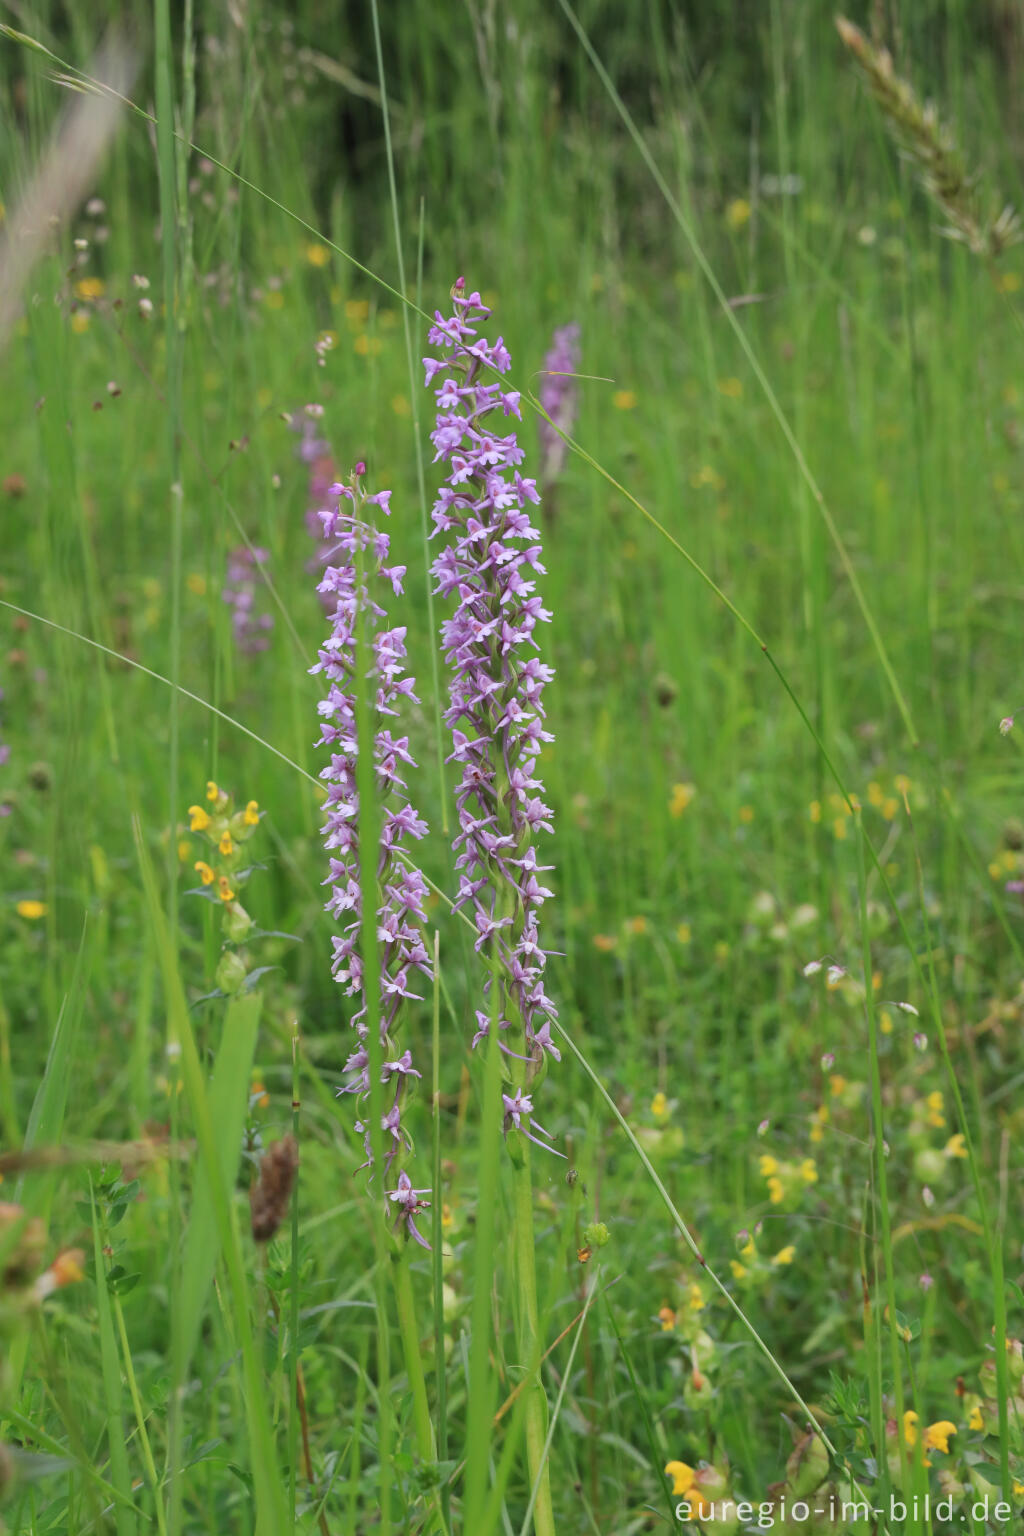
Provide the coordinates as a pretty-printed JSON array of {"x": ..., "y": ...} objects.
[{"x": 269, "y": 1196}]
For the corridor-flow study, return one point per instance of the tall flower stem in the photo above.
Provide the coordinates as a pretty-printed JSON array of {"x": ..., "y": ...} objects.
[
  {"x": 410, "y": 1335},
  {"x": 529, "y": 1334}
]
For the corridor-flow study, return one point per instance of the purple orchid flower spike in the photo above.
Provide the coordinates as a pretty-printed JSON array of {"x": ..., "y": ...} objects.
[
  {"x": 401, "y": 888},
  {"x": 489, "y": 569},
  {"x": 251, "y": 629}
]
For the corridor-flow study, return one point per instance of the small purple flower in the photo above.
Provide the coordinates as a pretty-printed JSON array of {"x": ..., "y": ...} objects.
[
  {"x": 410, "y": 1203},
  {"x": 401, "y": 889},
  {"x": 559, "y": 396},
  {"x": 250, "y": 628},
  {"x": 489, "y": 568}
]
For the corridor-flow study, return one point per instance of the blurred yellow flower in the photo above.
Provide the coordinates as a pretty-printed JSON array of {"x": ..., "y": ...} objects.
[
  {"x": 356, "y": 309},
  {"x": 79, "y": 322},
  {"x": 1008, "y": 282},
  {"x": 90, "y": 288},
  {"x": 682, "y": 1477},
  {"x": 839, "y": 829},
  {"x": 212, "y": 792},
  {"x": 767, "y": 1166},
  {"x": 976, "y": 1421},
  {"x": 667, "y": 1318},
  {"x": 200, "y": 821},
  {"x": 226, "y": 846},
  {"x": 367, "y": 346},
  {"x": 776, "y": 1193},
  {"x": 956, "y": 1146},
  {"x": 683, "y": 933},
  {"x": 682, "y": 794},
  {"x": 31, "y": 909},
  {"x": 738, "y": 1269},
  {"x": 604, "y": 941},
  {"x": 224, "y": 890},
  {"x": 317, "y": 255},
  {"x": 936, "y": 1436},
  {"x": 837, "y": 1084},
  {"x": 624, "y": 400},
  {"x": 204, "y": 871},
  {"x": 815, "y": 810},
  {"x": 809, "y": 1171},
  {"x": 400, "y": 405},
  {"x": 659, "y": 1106},
  {"x": 196, "y": 584},
  {"x": 695, "y": 1298},
  {"x": 274, "y": 299},
  {"x": 252, "y": 814},
  {"x": 746, "y": 814},
  {"x": 876, "y": 794},
  {"x": 721, "y": 951},
  {"x": 785, "y": 1255},
  {"x": 737, "y": 213},
  {"x": 731, "y": 388}
]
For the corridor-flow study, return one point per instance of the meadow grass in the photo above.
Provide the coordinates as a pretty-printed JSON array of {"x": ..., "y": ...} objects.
[{"x": 780, "y": 566}]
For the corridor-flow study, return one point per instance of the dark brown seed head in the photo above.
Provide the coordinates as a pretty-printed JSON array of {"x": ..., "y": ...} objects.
[{"x": 269, "y": 1196}]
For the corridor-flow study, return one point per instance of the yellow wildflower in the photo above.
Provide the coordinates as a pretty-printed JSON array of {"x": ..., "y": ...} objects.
[
  {"x": 910, "y": 1427},
  {"x": 252, "y": 814},
  {"x": 809, "y": 1171},
  {"x": 901, "y": 784},
  {"x": 259, "y": 1093},
  {"x": 776, "y": 1193},
  {"x": 785, "y": 1255},
  {"x": 367, "y": 346},
  {"x": 738, "y": 1269},
  {"x": 746, "y": 814},
  {"x": 837, "y": 1083},
  {"x": 636, "y": 925},
  {"x": 317, "y": 255},
  {"x": 211, "y": 790},
  {"x": 226, "y": 846},
  {"x": 90, "y": 288},
  {"x": 682, "y": 1477},
  {"x": 876, "y": 794},
  {"x": 936, "y": 1436},
  {"x": 79, "y": 322},
  {"x": 695, "y": 1298},
  {"x": 274, "y": 299},
  {"x": 683, "y": 933},
  {"x": 400, "y": 405},
  {"x": 748, "y": 1251},
  {"x": 682, "y": 794},
  {"x": 767, "y": 1166},
  {"x": 839, "y": 829},
  {"x": 976, "y": 1421},
  {"x": 815, "y": 810},
  {"x": 604, "y": 942},
  {"x": 31, "y": 909},
  {"x": 721, "y": 951},
  {"x": 659, "y": 1106},
  {"x": 357, "y": 309},
  {"x": 224, "y": 890},
  {"x": 955, "y": 1146},
  {"x": 624, "y": 399},
  {"x": 196, "y": 584},
  {"x": 732, "y": 389},
  {"x": 204, "y": 871},
  {"x": 200, "y": 821},
  {"x": 184, "y": 849},
  {"x": 737, "y": 213},
  {"x": 667, "y": 1318},
  {"x": 885, "y": 1022}
]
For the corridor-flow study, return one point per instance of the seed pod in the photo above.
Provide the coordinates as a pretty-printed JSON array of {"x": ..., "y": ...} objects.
[{"x": 269, "y": 1196}]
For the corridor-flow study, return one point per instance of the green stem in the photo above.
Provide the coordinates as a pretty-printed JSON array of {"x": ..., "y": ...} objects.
[
  {"x": 529, "y": 1339},
  {"x": 411, "y": 1347}
]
